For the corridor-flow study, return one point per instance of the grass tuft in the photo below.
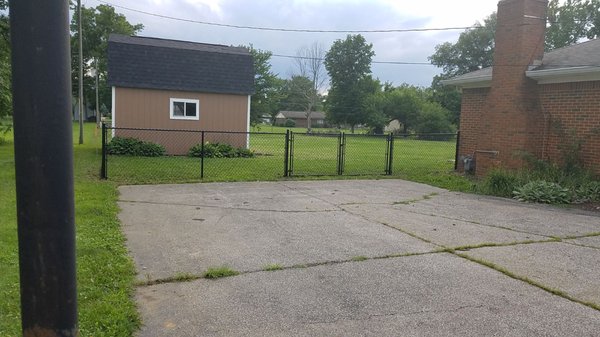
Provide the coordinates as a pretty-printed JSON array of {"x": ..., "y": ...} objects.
[
  {"x": 273, "y": 267},
  {"x": 219, "y": 272},
  {"x": 359, "y": 258}
]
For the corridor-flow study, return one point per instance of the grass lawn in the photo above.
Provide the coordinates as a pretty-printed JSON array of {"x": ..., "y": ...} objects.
[{"x": 105, "y": 273}]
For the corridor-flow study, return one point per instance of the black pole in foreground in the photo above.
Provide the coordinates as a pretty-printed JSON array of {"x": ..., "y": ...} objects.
[{"x": 44, "y": 166}]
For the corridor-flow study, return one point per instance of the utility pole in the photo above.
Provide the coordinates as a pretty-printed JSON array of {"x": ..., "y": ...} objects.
[
  {"x": 80, "y": 74},
  {"x": 43, "y": 142},
  {"x": 96, "y": 72}
]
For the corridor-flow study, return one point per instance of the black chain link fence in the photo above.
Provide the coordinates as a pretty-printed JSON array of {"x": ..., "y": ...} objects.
[{"x": 131, "y": 155}]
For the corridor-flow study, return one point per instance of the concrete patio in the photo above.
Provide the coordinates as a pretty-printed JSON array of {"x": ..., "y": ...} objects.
[{"x": 359, "y": 258}]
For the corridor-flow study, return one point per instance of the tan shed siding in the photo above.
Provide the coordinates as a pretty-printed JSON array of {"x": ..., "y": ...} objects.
[{"x": 150, "y": 109}]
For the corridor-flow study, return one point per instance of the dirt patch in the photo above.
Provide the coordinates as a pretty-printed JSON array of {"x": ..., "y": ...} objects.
[{"x": 590, "y": 206}]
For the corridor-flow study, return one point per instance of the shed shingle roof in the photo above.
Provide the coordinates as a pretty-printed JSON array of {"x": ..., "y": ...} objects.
[{"x": 151, "y": 63}]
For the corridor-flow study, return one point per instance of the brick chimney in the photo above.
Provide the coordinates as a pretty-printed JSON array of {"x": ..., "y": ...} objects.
[{"x": 512, "y": 120}]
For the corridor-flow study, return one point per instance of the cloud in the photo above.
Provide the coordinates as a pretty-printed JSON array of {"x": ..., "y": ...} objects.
[{"x": 318, "y": 14}]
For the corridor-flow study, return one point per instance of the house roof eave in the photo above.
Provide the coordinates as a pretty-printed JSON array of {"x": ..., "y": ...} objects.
[
  {"x": 470, "y": 82},
  {"x": 565, "y": 75}
]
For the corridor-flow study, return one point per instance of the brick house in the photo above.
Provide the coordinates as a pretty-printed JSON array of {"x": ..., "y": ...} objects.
[
  {"x": 317, "y": 118},
  {"x": 169, "y": 84},
  {"x": 543, "y": 104}
]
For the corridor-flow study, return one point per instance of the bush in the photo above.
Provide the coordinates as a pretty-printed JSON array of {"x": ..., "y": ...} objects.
[
  {"x": 543, "y": 192},
  {"x": 289, "y": 123},
  {"x": 501, "y": 183},
  {"x": 588, "y": 192},
  {"x": 134, "y": 147},
  {"x": 219, "y": 150},
  {"x": 245, "y": 153},
  {"x": 434, "y": 119}
]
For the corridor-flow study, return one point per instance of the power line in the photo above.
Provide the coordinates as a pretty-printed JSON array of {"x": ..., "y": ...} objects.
[
  {"x": 350, "y": 31},
  {"x": 376, "y": 62},
  {"x": 313, "y": 31}
]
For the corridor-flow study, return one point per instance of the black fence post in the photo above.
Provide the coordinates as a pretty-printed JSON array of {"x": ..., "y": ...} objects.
[
  {"x": 392, "y": 140},
  {"x": 291, "y": 160},
  {"x": 103, "y": 164},
  {"x": 391, "y": 156},
  {"x": 202, "y": 156},
  {"x": 457, "y": 150},
  {"x": 286, "y": 150},
  {"x": 340, "y": 159},
  {"x": 343, "y": 153}
]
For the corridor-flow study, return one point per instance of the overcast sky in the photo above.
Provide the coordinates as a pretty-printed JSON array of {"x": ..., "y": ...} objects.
[{"x": 316, "y": 14}]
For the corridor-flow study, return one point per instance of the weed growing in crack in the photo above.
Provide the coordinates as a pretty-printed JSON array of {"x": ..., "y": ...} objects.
[
  {"x": 359, "y": 258},
  {"x": 412, "y": 201},
  {"x": 272, "y": 267},
  {"x": 183, "y": 277},
  {"x": 218, "y": 272}
]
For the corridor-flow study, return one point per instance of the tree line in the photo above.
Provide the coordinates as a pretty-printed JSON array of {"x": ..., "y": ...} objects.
[{"x": 351, "y": 96}]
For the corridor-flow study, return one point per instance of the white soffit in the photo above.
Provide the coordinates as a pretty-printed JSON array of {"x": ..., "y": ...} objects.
[
  {"x": 565, "y": 75},
  {"x": 470, "y": 82}
]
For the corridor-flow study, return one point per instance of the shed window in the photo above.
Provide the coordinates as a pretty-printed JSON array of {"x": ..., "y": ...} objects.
[{"x": 182, "y": 108}]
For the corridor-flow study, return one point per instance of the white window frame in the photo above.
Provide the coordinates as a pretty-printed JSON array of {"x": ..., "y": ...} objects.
[{"x": 185, "y": 100}]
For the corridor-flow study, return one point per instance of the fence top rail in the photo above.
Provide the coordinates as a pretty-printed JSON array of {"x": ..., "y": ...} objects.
[
  {"x": 426, "y": 134},
  {"x": 403, "y": 135},
  {"x": 195, "y": 131}
]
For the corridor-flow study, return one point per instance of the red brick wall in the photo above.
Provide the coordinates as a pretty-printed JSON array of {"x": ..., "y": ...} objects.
[
  {"x": 571, "y": 115},
  {"x": 472, "y": 106}
]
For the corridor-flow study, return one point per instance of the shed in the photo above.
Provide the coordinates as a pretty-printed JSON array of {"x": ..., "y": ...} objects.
[{"x": 169, "y": 84}]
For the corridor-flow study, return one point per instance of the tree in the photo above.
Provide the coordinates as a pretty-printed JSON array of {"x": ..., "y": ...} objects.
[
  {"x": 5, "y": 65},
  {"x": 348, "y": 63},
  {"x": 297, "y": 94},
  {"x": 404, "y": 104},
  {"x": 592, "y": 10},
  {"x": 433, "y": 118},
  {"x": 97, "y": 24},
  {"x": 474, "y": 50},
  {"x": 449, "y": 97},
  {"x": 267, "y": 87},
  {"x": 569, "y": 23},
  {"x": 309, "y": 62},
  {"x": 411, "y": 106}
]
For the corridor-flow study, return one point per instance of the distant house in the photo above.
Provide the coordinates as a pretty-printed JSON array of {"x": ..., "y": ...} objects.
[
  {"x": 543, "y": 104},
  {"x": 317, "y": 118},
  {"x": 394, "y": 126},
  {"x": 168, "y": 84}
]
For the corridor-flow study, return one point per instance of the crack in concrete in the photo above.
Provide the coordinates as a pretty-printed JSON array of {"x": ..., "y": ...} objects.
[
  {"x": 580, "y": 245},
  {"x": 402, "y": 314},
  {"x": 230, "y": 208},
  {"x": 192, "y": 277},
  {"x": 480, "y": 224},
  {"x": 527, "y": 280}
]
